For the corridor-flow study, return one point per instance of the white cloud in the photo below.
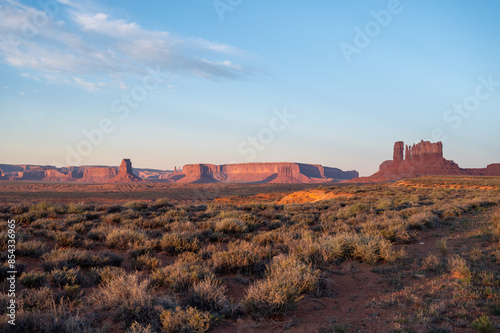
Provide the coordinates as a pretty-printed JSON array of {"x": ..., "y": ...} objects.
[
  {"x": 106, "y": 51},
  {"x": 87, "y": 85}
]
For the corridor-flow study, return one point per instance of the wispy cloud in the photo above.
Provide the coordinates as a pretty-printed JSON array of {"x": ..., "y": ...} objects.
[{"x": 83, "y": 41}]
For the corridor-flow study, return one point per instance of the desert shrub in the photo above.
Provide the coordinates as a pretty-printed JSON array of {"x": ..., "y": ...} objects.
[
  {"x": 483, "y": 324},
  {"x": 272, "y": 237},
  {"x": 431, "y": 262},
  {"x": 124, "y": 238},
  {"x": 73, "y": 208},
  {"x": 66, "y": 277},
  {"x": 162, "y": 203},
  {"x": 36, "y": 299},
  {"x": 285, "y": 280},
  {"x": 392, "y": 228},
  {"x": 180, "y": 276},
  {"x": 236, "y": 258},
  {"x": 145, "y": 262},
  {"x": 32, "y": 279},
  {"x": 352, "y": 210},
  {"x": 105, "y": 274},
  {"x": 130, "y": 299},
  {"x": 209, "y": 295},
  {"x": 442, "y": 246},
  {"x": 26, "y": 218},
  {"x": 33, "y": 249},
  {"x": 423, "y": 219},
  {"x": 366, "y": 248},
  {"x": 188, "y": 320},
  {"x": 138, "y": 328},
  {"x": 450, "y": 210},
  {"x": 99, "y": 233},
  {"x": 308, "y": 219},
  {"x": 66, "y": 239},
  {"x": 459, "y": 268},
  {"x": 113, "y": 218},
  {"x": 182, "y": 225},
  {"x": 231, "y": 226},
  {"x": 19, "y": 209},
  {"x": 495, "y": 226},
  {"x": 72, "y": 258},
  {"x": 178, "y": 242},
  {"x": 150, "y": 223},
  {"x": 384, "y": 204},
  {"x": 114, "y": 209},
  {"x": 136, "y": 205}
]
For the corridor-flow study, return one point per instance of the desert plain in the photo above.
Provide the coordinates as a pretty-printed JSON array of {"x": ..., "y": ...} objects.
[{"x": 415, "y": 255}]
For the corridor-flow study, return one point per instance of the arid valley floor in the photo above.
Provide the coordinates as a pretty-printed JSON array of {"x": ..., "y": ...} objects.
[{"x": 419, "y": 255}]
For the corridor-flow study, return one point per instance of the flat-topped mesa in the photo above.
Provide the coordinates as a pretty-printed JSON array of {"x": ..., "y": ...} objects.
[{"x": 281, "y": 172}]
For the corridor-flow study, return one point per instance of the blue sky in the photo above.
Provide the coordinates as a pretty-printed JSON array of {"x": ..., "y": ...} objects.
[{"x": 168, "y": 83}]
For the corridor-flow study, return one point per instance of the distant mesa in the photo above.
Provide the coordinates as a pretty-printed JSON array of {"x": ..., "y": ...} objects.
[
  {"x": 424, "y": 158},
  {"x": 258, "y": 173},
  {"x": 254, "y": 173}
]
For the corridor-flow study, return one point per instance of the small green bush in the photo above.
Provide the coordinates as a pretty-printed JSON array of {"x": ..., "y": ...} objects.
[{"x": 483, "y": 324}]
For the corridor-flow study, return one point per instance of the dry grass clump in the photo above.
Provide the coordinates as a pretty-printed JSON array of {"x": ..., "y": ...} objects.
[
  {"x": 145, "y": 262},
  {"x": 186, "y": 320},
  {"x": 66, "y": 277},
  {"x": 130, "y": 299},
  {"x": 286, "y": 279},
  {"x": 33, "y": 279},
  {"x": 328, "y": 249},
  {"x": 432, "y": 263},
  {"x": 239, "y": 257},
  {"x": 231, "y": 226},
  {"x": 71, "y": 258},
  {"x": 66, "y": 239},
  {"x": 178, "y": 242},
  {"x": 181, "y": 275},
  {"x": 122, "y": 238},
  {"x": 33, "y": 248},
  {"x": 209, "y": 295}
]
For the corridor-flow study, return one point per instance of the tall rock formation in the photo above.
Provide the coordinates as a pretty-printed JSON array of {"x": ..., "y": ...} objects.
[
  {"x": 424, "y": 158},
  {"x": 398, "y": 151},
  {"x": 125, "y": 173}
]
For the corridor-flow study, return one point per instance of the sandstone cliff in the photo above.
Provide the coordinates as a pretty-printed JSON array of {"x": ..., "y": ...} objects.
[{"x": 262, "y": 173}]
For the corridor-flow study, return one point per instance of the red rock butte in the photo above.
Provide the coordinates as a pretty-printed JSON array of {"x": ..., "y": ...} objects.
[{"x": 424, "y": 158}]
